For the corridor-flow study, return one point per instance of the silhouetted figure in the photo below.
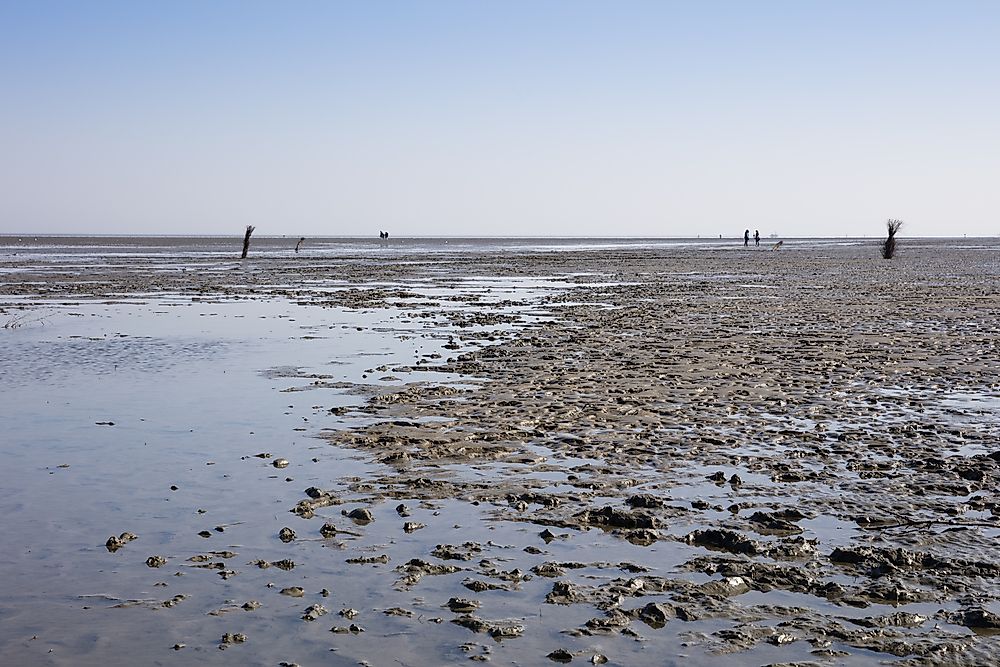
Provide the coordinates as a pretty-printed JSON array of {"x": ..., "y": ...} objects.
[
  {"x": 746, "y": 238},
  {"x": 383, "y": 235},
  {"x": 756, "y": 237},
  {"x": 299, "y": 244}
]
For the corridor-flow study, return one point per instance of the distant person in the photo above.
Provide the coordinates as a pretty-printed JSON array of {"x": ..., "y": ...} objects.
[
  {"x": 746, "y": 238},
  {"x": 299, "y": 244},
  {"x": 756, "y": 237}
]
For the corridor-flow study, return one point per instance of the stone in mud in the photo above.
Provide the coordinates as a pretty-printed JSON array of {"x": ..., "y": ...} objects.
[
  {"x": 981, "y": 619},
  {"x": 115, "y": 543},
  {"x": 780, "y": 638},
  {"x": 506, "y": 631},
  {"x": 614, "y": 621},
  {"x": 251, "y": 605},
  {"x": 284, "y": 564},
  {"x": 646, "y": 501},
  {"x": 415, "y": 569},
  {"x": 402, "y": 510},
  {"x": 280, "y": 463},
  {"x": 477, "y": 586},
  {"x": 398, "y": 611},
  {"x": 743, "y": 637},
  {"x": 560, "y": 655},
  {"x": 632, "y": 567},
  {"x": 174, "y": 601},
  {"x": 760, "y": 576},
  {"x": 348, "y": 613},
  {"x": 656, "y": 614},
  {"x": 156, "y": 561},
  {"x": 381, "y": 559},
  {"x": 411, "y": 526},
  {"x": 563, "y": 592},
  {"x": 361, "y": 516},
  {"x": 615, "y": 518},
  {"x": 313, "y": 612},
  {"x": 314, "y": 492},
  {"x": 286, "y": 534},
  {"x": 234, "y": 638},
  {"x": 466, "y": 551},
  {"x": 791, "y": 549},
  {"x": 879, "y": 562},
  {"x": 724, "y": 540},
  {"x": 769, "y": 523},
  {"x": 462, "y": 605},
  {"x": 498, "y": 631},
  {"x": 895, "y": 592},
  {"x": 727, "y": 587},
  {"x": 293, "y": 591},
  {"x": 900, "y": 619},
  {"x": 642, "y": 537},
  {"x": 548, "y": 570},
  {"x": 471, "y": 623}
]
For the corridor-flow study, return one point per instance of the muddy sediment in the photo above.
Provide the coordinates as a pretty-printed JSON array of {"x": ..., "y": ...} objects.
[{"x": 761, "y": 457}]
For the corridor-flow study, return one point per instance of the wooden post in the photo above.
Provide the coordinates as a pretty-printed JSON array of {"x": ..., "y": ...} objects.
[{"x": 246, "y": 241}]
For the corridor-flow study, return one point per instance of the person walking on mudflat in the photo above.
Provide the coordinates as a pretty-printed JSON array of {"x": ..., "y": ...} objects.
[
  {"x": 746, "y": 238},
  {"x": 756, "y": 237}
]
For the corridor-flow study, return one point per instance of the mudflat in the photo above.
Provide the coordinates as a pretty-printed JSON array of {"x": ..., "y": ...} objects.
[{"x": 410, "y": 453}]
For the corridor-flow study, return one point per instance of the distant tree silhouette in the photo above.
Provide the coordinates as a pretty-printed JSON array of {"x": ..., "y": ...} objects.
[
  {"x": 889, "y": 244},
  {"x": 246, "y": 241}
]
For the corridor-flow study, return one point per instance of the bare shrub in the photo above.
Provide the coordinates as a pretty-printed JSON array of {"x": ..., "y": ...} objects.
[
  {"x": 246, "y": 241},
  {"x": 889, "y": 244}
]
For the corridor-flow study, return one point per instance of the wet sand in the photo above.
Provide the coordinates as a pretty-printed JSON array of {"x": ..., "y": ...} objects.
[{"x": 645, "y": 455}]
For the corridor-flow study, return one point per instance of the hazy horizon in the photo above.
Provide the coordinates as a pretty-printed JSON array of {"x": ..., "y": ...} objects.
[{"x": 453, "y": 119}]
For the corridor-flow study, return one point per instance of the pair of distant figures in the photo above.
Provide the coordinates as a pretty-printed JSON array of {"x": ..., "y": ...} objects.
[
  {"x": 756, "y": 240},
  {"x": 383, "y": 235}
]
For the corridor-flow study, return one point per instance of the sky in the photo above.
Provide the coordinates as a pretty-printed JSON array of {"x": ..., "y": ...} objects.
[{"x": 500, "y": 118}]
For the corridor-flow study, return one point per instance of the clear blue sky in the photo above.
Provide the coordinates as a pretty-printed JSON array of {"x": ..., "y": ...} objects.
[{"x": 500, "y": 118}]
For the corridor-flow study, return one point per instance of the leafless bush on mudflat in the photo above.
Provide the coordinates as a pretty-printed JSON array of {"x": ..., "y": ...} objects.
[{"x": 889, "y": 244}]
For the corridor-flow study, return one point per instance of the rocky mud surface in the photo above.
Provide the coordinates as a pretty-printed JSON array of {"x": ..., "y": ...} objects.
[{"x": 643, "y": 456}]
